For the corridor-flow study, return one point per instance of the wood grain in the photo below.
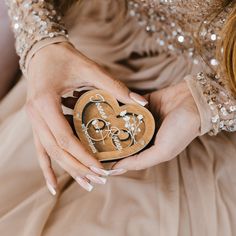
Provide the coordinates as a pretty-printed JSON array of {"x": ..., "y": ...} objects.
[{"x": 109, "y": 131}]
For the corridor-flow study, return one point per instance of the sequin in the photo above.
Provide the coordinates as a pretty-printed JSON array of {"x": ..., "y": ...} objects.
[
  {"x": 213, "y": 37},
  {"x": 214, "y": 62},
  {"x": 33, "y": 21},
  {"x": 181, "y": 39},
  {"x": 174, "y": 25},
  {"x": 222, "y": 102},
  {"x": 169, "y": 22}
]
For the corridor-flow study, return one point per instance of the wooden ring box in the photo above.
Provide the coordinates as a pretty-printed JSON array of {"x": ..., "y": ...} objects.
[{"x": 109, "y": 131}]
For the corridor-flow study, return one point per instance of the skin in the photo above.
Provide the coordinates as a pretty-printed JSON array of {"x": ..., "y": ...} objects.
[
  {"x": 180, "y": 124},
  {"x": 60, "y": 68},
  {"x": 53, "y": 71}
]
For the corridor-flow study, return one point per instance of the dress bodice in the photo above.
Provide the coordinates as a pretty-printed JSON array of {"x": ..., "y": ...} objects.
[{"x": 177, "y": 26}]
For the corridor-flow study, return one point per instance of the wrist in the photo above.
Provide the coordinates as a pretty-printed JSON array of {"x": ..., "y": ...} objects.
[
  {"x": 47, "y": 55},
  {"x": 42, "y": 47}
]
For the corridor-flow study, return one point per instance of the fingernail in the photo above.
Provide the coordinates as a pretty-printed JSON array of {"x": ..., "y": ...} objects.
[
  {"x": 51, "y": 189},
  {"x": 117, "y": 171},
  {"x": 84, "y": 184},
  {"x": 96, "y": 179},
  {"x": 99, "y": 170},
  {"x": 138, "y": 98}
]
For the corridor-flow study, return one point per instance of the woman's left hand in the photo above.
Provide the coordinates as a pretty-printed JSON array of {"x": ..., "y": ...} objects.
[{"x": 175, "y": 108}]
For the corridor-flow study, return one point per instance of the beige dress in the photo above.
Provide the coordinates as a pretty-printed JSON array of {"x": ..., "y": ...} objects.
[{"x": 193, "y": 194}]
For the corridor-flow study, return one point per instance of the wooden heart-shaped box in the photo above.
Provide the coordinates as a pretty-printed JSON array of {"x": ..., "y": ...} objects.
[{"x": 109, "y": 131}]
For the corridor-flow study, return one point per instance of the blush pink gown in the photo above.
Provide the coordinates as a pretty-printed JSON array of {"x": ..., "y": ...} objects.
[{"x": 193, "y": 194}]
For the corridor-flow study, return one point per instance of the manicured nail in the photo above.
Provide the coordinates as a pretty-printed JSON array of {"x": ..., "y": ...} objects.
[
  {"x": 99, "y": 170},
  {"x": 84, "y": 184},
  {"x": 138, "y": 98},
  {"x": 117, "y": 171},
  {"x": 96, "y": 179},
  {"x": 51, "y": 189}
]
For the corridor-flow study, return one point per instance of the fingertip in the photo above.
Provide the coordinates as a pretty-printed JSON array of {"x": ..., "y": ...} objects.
[
  {"x": 117, "y": 171},
  {"x": 94, "y": 162},
  {"x": 99, "y": 171},
  {"x": 54, "y": 181},
  {"x": 50, "y": 177},
  {"x": 129, "y": 163},
  {"x": 120, "y": 165},
  {"x": 138, "y": 99},
  {"x": 51, "y": 188}
]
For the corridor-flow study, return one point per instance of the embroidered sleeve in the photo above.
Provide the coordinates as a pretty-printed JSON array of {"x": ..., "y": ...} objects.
[
  {"x": 32, "y": 22},
  {"x": 220, "y": 100}
]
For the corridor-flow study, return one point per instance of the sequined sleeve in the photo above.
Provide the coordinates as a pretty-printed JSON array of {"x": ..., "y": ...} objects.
[
  {"x": 34, "y": 21},
  {"x": 219, "y": 111}
]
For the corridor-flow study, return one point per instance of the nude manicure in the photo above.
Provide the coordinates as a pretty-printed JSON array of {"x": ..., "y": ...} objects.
[
  {"x": 96, "y": 179},
  {"x": 99, "y": 170},
  {"x": 84, "y": 184},
  {"x": 117, "y": 171},
  {"x": 51, "y": 188},
  {"x": 138, "y": 98}
]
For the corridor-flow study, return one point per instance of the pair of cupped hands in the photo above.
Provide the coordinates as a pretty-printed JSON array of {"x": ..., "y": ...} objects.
[{"x": 59, "y": 68}]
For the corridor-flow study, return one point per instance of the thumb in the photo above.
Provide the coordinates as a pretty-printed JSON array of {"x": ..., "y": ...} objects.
[{"x": 118, "y": 89}]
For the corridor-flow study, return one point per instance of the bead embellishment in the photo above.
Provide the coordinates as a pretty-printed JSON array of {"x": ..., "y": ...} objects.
[
  {"x": 221, "y": 102},
  {"x": 33, "y": 21},
  {"x": 173, "y": 25}
]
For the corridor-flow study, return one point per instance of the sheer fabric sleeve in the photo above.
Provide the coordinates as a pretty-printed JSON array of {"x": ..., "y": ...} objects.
[
  {"x": 210, "y": 88},
  {"x": 215, "y": 102},
  {"x": 35, "y": 23}
]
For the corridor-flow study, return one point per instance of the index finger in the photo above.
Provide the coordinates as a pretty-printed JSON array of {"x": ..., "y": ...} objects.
[{"x": 61, "y": 130}]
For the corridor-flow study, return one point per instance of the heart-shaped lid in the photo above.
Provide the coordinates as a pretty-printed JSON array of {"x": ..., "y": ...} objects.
[{"x": 109, "y": 131}]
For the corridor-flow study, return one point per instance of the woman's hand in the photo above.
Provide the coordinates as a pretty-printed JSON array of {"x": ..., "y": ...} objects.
[
  {"x": 175, "y": 109},
  {"x": 53, "y": 71}
]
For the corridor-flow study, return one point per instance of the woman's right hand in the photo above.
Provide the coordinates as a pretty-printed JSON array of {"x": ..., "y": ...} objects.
[{"x": 53, "y": 71}]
